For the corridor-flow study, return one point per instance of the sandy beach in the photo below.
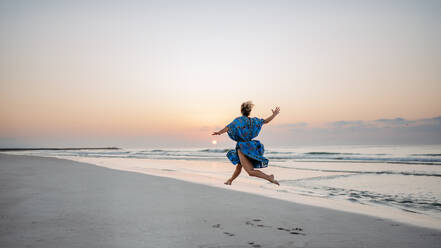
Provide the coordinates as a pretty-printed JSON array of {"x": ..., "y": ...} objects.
[{"x": 49, "y": 202}]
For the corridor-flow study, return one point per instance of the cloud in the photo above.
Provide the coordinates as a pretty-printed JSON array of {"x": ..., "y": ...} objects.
[
  {"x": 394, "y": 122},
  {"x": 431, "y": 121},
  {"x": 343, "y": 124},
  {"x": 381, "y": 131},
  {"x": 386, "y": 123},
  {"x": 293, "y": 125}
]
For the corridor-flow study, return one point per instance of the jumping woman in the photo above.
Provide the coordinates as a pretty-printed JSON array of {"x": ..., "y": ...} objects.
[{"x": 248, "y": 153}]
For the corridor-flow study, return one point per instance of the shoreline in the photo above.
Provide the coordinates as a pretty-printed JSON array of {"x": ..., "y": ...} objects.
[
  {"x": 177, "y": 169},
  {"x": 57, "y": 149},
  {"x": 50, "y": 202}
]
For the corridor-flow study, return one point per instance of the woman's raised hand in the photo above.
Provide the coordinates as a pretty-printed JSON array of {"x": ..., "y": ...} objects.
[
  {"x": 215, "y": 133},
  {"x": 276, "y": 111}
]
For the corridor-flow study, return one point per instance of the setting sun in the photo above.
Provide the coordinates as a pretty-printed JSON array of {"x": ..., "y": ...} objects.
[{"x": 214, "y": 142}]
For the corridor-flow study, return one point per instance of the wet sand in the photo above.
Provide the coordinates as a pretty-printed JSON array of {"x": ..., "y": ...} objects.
[{"x": 49, "y": 202}]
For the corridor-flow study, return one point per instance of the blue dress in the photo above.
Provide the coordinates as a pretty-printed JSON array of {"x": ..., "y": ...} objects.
[{"x": 243, "y": 130}]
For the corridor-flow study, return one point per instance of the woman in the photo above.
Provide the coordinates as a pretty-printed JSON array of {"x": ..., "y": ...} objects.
[{"x": 248, "y": 153}]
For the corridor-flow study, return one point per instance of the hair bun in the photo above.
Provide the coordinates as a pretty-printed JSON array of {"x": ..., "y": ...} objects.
[{"x": 246, "y": 108}]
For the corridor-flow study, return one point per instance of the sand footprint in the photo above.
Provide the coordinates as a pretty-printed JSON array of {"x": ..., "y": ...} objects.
[
  {"x": 229, "y": 234},
  {"x": 254, "y": 244},
  {"x": 226, "y": 233},
  {"x": 216, "y": 226},
  {"x": 251, "y": 223},
  {"x": 296, "y": 230}
]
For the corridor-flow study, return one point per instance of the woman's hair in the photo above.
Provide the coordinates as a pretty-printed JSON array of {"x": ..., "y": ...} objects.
[{"x": 246, "y": 108}]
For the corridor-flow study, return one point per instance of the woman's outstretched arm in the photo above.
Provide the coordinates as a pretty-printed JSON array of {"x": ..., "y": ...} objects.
[
  {"x": 225, "y": 129},
  {"x": 275, "y": 111}
]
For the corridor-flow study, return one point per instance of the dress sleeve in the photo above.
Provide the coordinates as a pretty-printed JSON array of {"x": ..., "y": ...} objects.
[
  {"x": 260, "y": 121},
  {"x": 230, "y": 125},
  {"x": 232, "y": 130}
]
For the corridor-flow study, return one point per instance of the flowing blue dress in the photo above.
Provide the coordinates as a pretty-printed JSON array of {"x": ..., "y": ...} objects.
[{"x": 243, "y": 130}]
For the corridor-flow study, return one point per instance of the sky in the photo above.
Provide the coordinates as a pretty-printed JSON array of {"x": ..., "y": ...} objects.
[{"x": 169, "y": 73}]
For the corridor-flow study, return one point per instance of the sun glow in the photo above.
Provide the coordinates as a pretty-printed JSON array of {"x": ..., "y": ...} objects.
[{"x": 214, "y": 142}]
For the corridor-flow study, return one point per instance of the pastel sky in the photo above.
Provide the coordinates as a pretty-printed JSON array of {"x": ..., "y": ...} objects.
[{"x": 168, "y": 73}]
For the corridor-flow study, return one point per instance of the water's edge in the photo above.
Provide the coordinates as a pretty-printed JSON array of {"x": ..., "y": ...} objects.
[{"x": 167, "y": 168}]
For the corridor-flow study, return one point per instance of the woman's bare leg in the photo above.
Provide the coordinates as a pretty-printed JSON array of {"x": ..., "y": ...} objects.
[
  {"x": 246, "y": 163},
  {"x": 235, "y": 174}
]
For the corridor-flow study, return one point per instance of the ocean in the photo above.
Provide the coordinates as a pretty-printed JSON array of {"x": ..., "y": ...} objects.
[{"x": 372, "y": 178}]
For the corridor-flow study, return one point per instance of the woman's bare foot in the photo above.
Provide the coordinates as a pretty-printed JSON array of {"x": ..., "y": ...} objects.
[
  {"x": 228, "y": 182},
  {"x": 273, "y": 180}
]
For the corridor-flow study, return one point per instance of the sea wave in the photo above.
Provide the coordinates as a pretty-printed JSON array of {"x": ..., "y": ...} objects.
[
  {"x": 215, "y": 150},
  {"x": 331, "y": 153},
  {"x": 407, "y": 202},
  {"x": 386, "y": 172},
  {"x": 275, "y": 155},
  {"x": 428, "y": 154}
]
